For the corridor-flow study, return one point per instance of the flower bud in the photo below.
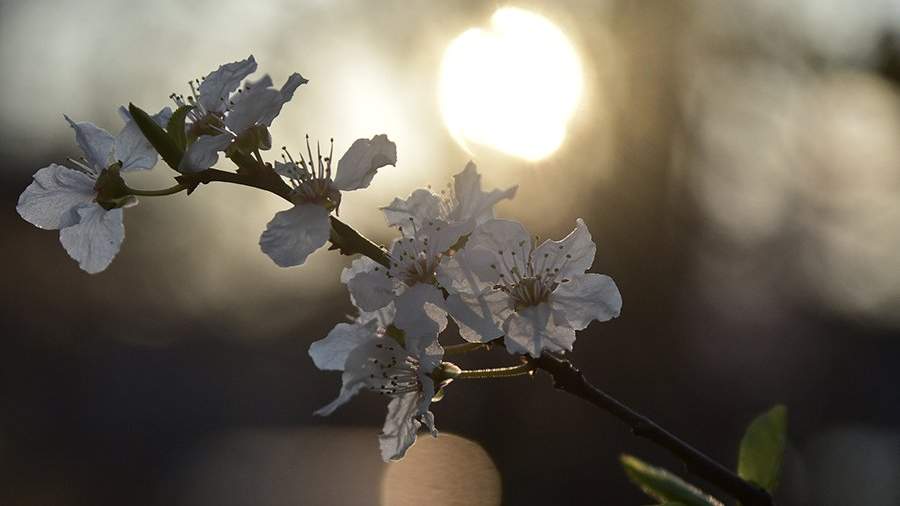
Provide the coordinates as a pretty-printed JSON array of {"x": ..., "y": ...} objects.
[{"x": 444, "y": 373}]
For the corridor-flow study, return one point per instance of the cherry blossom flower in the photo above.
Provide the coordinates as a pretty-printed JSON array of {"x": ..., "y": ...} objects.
[
  {"x": 430, "y": 226},
  {"x": 462, "y": 202},
  {"x": 410, "y": 283},
  {"x": 69, "y": 199},
  {"x": 371, "y": 359},
  {"x": 295, "y": 233},
  {"x": 536, "y": 297},
  {"x": 221, "y": 113}
]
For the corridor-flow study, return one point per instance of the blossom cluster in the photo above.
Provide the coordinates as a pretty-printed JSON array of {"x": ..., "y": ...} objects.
[{"x": 452, "y": 259}]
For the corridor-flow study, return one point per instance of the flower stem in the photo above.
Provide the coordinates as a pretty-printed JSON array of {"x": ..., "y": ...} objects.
[
  {"x": 158, "y": 193},
  {"x": 499, "y": 372},
  {"x": 569, "y": 379},
  {"x": 458, "y": 349}
]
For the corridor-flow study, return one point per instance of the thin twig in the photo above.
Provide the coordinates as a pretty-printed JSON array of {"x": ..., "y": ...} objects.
[{"x": 568, "y": 378}]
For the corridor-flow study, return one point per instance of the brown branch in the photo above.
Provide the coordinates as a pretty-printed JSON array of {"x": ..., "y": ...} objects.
[{"x": 569, "y": 379}]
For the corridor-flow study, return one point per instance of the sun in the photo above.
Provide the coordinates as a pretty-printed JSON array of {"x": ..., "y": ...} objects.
[{"x": 512, "y": 87}]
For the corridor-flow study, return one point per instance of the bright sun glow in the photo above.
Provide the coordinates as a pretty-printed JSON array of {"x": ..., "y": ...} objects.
[{"x": 512, "y": 87}]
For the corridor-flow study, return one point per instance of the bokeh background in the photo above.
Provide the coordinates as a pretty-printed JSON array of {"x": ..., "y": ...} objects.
[{"x": 738, "y": 164}]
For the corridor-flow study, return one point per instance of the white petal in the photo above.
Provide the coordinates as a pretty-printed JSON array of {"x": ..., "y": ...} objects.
[
  {"x": 358, "y": 265},
  {"x": 471, "y": 202},
  {"x": 284, "y": 96},
  {"x": 429, "y": 359},
  {"x": 53, "y": 193},
  {"x": 442, "y": 235},
  {"x": 400, "y": 427},
  {"x": 364, "y": 362},
  {"x": 348, "y": 391},
  {"x": 359, "y": 164},
  {"x": 471, "y": 270},
  {"x": 331, "y": 353},
  {"x": 220, "y": 83},
  {"x": 421, "y": 206},
  {"x": 381, "y": 317},
  {"x": 294, "y": 234},
  {"x": 586, "y": 298},
  {"x": 494, "y": 249},
  {"x": 261, "y": 103},
  {"x": 421, "y": 315},
  {"x": 480, "y": 317},
  {"x": 573, "y": 255},
  {"x": 95, "y": 238},
  {"x": 535, "y": 329},
  {"x": 371, "y": 290},
  {"x": 96, "y": 143},
  {"x": 133, "y": 149},
  {"x": 500, "y": 235},
  {"x": 203, "y": 153}
]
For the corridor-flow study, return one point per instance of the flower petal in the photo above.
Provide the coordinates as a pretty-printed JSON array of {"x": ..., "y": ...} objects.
[
  {"x": 471, "y": 202},
  {"x": 261, "y": 103},
  {"x": 359, "y": 164},
  {"x": 331, "y": 353},
  {"x": 442, "y": 235},
  {"x": 371, "y": 290},
  {"x": 294, "y": 234},
  {"x": 468, "y": 271},
  {"x": 573, "y": 255},
  {"x": 495, "y": 247},
  {"x": 535, "y": 329},
  {"x": 363, "y": 363},
  {"x": 421, "y": 315},
  {"x": 220, "y": 83},
  {"x": 586, "y": 298},
  {"x": 421, "y": 206},
  {"x": 96, "y": 143},
  {"x": 94, "y": 237},
  {"x": 400, "y": 427},
  {"x": 381, "y": 317},
  {"x": 53, "y": 193},
  {"x": 357, "y": 266},
  {"x": 133, "y": 149},
  {"x": 480, "y": 317},
  {"x": 203, "y": 153}
]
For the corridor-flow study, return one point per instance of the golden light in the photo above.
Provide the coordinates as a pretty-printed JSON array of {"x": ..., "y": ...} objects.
[
  {"x": 513, "y": 87},
  {"x": 447, "y": 471}
]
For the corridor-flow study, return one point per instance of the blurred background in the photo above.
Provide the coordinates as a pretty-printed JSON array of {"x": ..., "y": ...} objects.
[{"x": 737, "y": 163}]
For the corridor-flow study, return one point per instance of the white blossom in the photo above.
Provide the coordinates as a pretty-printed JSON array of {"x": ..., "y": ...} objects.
[
  {"x": 295, "y": 233},
  {"x": 536, "y": 297},
  {"x": 221, "y": 112},
  {"x": 410, "y": 282},
  {"x": 371, "y": 359},
  {"x": 65, "y": 199},
  {"x": 462, "y": 202}
]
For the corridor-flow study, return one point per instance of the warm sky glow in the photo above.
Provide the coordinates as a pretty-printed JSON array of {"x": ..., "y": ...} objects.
[{"x": 512, "y": 87}]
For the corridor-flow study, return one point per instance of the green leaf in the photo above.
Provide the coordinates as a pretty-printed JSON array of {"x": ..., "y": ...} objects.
[
  {"x": 663, "y": 485},
  {"x": 175, "y": 128},
  {"x": 157, "y": 137},
  {"x": 762, "y": 448}
]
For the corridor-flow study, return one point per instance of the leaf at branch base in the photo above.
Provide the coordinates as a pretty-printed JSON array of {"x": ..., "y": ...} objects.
[
  {"x": 157, "y": 137},
  {"x": 663, "y": 485},
  {"x": 762, "y": 448},
  {"x": 175, "y": 127}
]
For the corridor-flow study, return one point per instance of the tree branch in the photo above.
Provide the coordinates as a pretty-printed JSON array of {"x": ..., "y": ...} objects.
[
  {"x": 565, "y": 376},
  {"x": 569, "y": 379},
  {"x": 343, "y": 237}
]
